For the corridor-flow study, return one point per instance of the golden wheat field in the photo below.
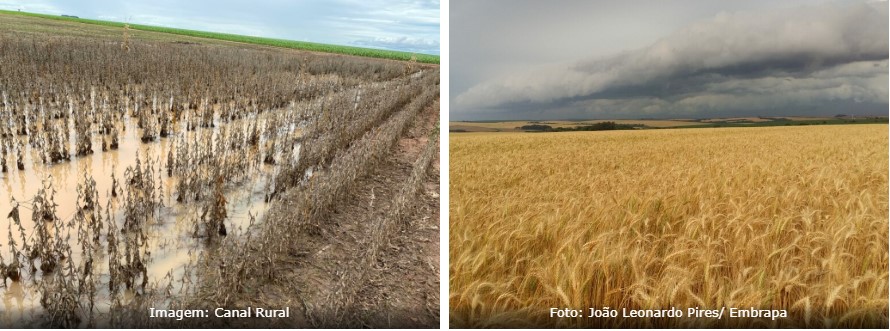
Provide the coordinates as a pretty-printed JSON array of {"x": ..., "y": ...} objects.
[{"x": 791, "y": 218}]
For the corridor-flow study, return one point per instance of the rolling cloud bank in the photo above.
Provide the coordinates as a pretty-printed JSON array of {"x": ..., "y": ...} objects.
[{"x": 823, "y": 59}]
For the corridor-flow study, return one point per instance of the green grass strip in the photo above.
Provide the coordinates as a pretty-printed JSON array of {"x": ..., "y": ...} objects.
[{"x": 309, "y": 46}]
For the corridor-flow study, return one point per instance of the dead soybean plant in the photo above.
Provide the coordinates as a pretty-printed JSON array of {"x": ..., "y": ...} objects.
[
  {"x": 13, "y": 269},
  {"x": 3, "y": 153},
  {"x": 128, "y": 255},
  {"x": 340, "y": 121},
  {"x": 350, "y": 164},
  {"x": 214, "y": 214},
  {"x": 99, "y": 89},
  {"x": 82, "y": 126},
  {"x": 43, "y": 214},
  {"x": 341, "y": 305},
  {"x": 88, "y": 219},
  {"x": 60, "y": 294},
  {"x": 68, "y": 287},
  {"x": 318, "y": 196},
  {"x": 226, "y": 273},
  {"x": 61, "y": 284},
  {"x": 89, "y": 209},
  {"x": 143, "y": 200}
]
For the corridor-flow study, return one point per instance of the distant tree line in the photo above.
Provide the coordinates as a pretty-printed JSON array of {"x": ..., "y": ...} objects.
[{"x": 601, "y": 126}]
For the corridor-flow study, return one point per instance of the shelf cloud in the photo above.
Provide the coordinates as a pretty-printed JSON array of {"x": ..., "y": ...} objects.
[{"x": 790, "y": 60}]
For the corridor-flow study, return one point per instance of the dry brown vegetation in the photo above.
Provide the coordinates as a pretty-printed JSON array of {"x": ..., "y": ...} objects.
[
  {"x": 312, "y": 125},
  {"x": 309, "y": 224},
  {"x": 771, "y": 218}
]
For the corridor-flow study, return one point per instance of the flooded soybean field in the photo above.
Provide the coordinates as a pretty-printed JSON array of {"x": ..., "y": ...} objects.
[
  {"x": 136, "y": 174},
  {"x": 172, "y": 237}
]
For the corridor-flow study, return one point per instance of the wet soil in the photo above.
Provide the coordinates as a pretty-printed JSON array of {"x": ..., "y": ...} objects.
[{"x": 402, "y": 288}]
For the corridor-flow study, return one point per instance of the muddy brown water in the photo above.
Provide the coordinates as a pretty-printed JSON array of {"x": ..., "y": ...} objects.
[{"x": 170, "y": 240}]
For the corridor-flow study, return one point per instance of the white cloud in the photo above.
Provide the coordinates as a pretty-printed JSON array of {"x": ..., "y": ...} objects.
[
  {"x": 31, "y": 6},
  {"x": 417, "y": 45}
]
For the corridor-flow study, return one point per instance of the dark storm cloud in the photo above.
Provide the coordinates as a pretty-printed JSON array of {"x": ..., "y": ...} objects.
[
  {"x": 408, "y": 25},
  {"x": 792, "y": 61}
]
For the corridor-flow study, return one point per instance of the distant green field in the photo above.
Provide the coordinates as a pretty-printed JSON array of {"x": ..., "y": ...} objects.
[{"x": 316, "y": 47}]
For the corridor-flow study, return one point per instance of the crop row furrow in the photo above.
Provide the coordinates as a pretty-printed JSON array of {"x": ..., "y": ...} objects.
[{"x": 341, "y": 303}]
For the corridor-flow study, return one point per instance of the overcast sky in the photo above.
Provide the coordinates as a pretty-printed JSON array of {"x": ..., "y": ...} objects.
[
  {"x": 405, "y": 25},
  {"x": 666, "y": 59}
]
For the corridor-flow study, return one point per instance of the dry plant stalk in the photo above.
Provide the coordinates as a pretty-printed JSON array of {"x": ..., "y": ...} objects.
[
  {"x": 339, "y": 307},
  {"x": 125, "y": 45}
]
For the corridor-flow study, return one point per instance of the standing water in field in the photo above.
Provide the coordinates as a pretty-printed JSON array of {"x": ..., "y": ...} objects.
[{"x": 172, "y": 238}]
